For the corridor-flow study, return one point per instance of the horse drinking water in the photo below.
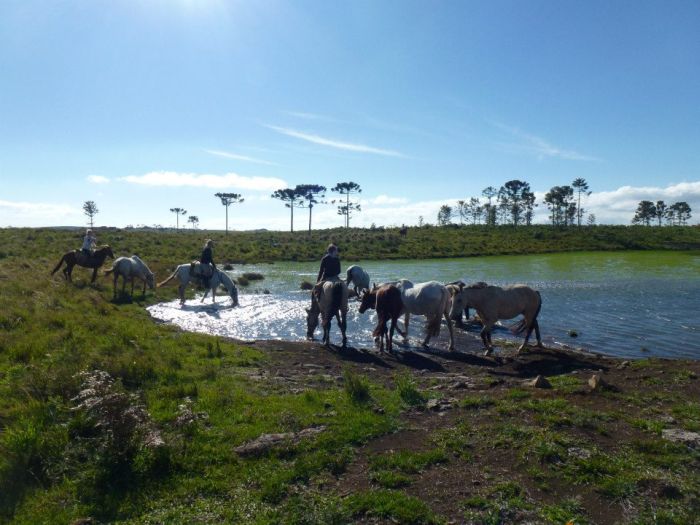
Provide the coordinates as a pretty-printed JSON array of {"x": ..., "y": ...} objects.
[
  {"x": 131, "y": 268},
  {"x": 358, "y": 277},
  {"x": 493, "y": 303},
  {"x": 74, "y": 257},
  {"x": 184, "y": 273},
  {"x": 328, "y": 300}
]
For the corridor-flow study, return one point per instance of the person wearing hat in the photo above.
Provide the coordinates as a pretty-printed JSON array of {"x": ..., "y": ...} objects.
[
  {"x": 207, "y": 262},
  {"x": 330, "y": 265},
  {"x": 89, "y": 244}
]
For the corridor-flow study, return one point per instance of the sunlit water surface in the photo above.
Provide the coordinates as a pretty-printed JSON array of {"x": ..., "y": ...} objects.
[{"x": 631, "y": 304}]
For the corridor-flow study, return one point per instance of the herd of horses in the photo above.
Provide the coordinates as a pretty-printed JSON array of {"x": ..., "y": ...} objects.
[{"x": 329, "y": 300}]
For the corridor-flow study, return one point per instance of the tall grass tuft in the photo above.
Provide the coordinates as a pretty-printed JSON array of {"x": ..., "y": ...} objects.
[{"x": 357, "y": 388}]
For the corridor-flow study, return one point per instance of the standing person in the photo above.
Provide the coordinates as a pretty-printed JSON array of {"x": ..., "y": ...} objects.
[
  {"x": 330, "y": 265},
  {"x": 207, "y": 262},
  {"x": 89, "y": 245}
]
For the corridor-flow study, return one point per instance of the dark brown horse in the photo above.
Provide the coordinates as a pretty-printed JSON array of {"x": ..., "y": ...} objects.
[
  {"x": 386, "y": 299},
  {"x": 74, "y": 257}
]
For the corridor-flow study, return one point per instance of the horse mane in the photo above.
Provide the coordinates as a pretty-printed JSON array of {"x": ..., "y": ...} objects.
[{"x": 477, "y": 286}]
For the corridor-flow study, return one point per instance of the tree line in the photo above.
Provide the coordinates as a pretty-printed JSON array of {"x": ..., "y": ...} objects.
[
  {"x": 514, "y": 203},
  {"x": 676, "y": 214}
]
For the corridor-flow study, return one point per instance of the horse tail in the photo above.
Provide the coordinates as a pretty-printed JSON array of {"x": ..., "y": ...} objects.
[
  {"x": 523, "y": 325},
  {"x": 433, "y": 326},
  {"x": 167, "y": 280},
  {"x": 381, "y": 324},
  {"x": 60, "y": 263}
]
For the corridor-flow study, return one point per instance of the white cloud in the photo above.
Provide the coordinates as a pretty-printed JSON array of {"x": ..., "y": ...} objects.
[
  {"x": 381, "y": 200},
  {"x": 228, "y": 180},
  {"x": 539, "y": 147},
  {"x": 97, "y": 179},
  {"x": 36, "y": 213},
  {"x": 236, "y": 156},
  {"x": 322, "y": 141}
]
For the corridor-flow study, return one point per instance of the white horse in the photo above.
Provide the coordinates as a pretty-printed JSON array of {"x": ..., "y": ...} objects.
[
  {"x": 328, "y": 300},
  {"x": 430, "y": 299},
  {"x": 358, "y": 277},
  {"x": 184, "y": 275},
  {"x": 131, "y": 268}
]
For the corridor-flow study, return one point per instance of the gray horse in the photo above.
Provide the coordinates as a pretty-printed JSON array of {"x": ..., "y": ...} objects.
[{"x": 493, "y": 303}]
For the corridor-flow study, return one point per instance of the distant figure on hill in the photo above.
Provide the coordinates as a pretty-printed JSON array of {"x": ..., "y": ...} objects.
[{"x": 207, "y": 265}]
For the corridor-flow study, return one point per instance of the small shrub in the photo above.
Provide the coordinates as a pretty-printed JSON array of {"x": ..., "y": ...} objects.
[
  {"x": 406, "y": 387},
  {"x": 242, "y": 281},
  {"x": 357, "y": 388},
  {"x": 253, "y": 276},
  {"x": 306, "y": 285}
]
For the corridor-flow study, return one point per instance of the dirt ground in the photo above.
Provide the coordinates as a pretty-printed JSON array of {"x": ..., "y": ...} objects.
[{"x": 453, "y": 376}]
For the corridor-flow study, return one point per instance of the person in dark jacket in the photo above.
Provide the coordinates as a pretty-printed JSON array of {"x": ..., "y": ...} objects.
[
  {"x": 330, "y": 265},
  {"x": 207, "y": 262}
]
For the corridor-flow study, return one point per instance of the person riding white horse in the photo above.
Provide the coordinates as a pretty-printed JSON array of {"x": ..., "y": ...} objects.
[
  {"x": 184, "y": 274},
  {"x": 207, "y": 266}
]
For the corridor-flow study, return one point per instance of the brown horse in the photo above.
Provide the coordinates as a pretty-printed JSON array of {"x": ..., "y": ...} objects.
[
  {"x": 75, "y": 257},
  {"x": 386, "y": 299}
]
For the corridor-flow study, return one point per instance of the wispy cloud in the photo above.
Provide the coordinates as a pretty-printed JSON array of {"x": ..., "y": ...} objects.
[
  {"x": 97, "y": 179},
  {"x": 236, "y": 156},
  {"x": 331, "y": 143},
  {"x": 539, "y": 147},
  {"x": 309, "y": 116},
  {"x": 228, "y": 180}
]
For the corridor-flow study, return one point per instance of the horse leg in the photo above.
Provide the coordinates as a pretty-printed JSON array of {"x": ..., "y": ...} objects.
[
  {"x": 405, "y": 327},
  {"x": 132, "y": 286},
  {"x": 390, "y": 338},
  {"x": 114, "y": 284},
  {"x": 344, "y": 326},
  {"x": 181, "y": 291},
  {"x": 452, "y": 335},
  {"x": 67, "y": 271},
  {"x": 486, "y": 338},
  {"x": 94, "y": 275},
  {"x": 536, "y": 324}
]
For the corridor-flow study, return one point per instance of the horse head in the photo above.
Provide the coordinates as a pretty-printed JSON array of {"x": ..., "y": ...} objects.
[
  {"x": 108, "y": 251},
  {"x": 312, "y": 314},
  {"x": 368, "y": 299},
  {"x": 151, "y": 280}
]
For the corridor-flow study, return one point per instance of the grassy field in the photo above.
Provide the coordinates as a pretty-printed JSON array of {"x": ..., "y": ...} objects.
[{"x": 106, "y": 415}]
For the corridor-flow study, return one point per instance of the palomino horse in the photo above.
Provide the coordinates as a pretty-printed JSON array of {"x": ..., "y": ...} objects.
[
  {"x": 184, "y": 275},
  {"x": 386, "y": 300},
  {"x": 358, "y": 277},
  {"x": 493, "y": 303},
  {"x": 430, "y": 299},
  {"x": 329, "y": 299},
  {"x": 131, "y": 268},
  {"x": 74, "y": 257}
]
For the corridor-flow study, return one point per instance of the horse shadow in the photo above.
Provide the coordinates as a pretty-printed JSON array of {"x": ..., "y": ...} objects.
[
  {"x": 546, "y": 362},
  {"x": 358, "y": 355},
  {"x": 463, "y": 357}
]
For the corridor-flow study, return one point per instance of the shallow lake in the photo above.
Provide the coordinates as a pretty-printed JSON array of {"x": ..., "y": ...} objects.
[{"x": 628, "y": 304}]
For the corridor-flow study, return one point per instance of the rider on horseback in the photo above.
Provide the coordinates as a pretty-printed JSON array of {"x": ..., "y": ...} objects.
[
  {"x": 89, "y": 245},
  {"x": 330, "y": 265},
  {"x": 207, "y": 262}
]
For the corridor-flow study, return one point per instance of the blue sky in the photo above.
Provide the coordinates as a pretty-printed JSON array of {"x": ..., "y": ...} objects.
[{"x": 143, "y": 106}]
